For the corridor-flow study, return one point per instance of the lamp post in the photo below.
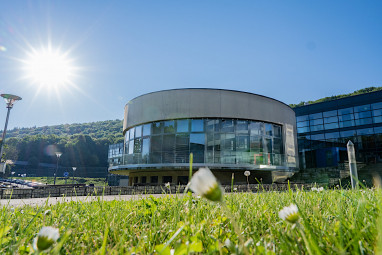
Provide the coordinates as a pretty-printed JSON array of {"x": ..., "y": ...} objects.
[
  {"x": 74, "y": 169},
  {"x": 10, "y": 100},
  {"x": 58, "y": 154},
  {"x": 247, "y": 174}
]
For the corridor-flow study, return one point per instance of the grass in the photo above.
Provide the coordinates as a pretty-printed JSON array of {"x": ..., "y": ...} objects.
[
  {"x": 61, "y": 180},
  {"x": 331, "y": 222}
]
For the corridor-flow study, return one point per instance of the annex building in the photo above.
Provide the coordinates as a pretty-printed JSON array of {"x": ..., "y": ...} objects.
[
  {"x": 325, "y": 128},
  {"x": 227, "y": 131}
]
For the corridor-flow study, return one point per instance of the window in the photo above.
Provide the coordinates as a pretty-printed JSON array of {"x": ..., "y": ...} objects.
[
  {"x": 256, "y": 128},
  {"x": 362, "y": 108},
  {"x": 346, "y": 117},
  {"x": 197, "y": 143},
  {"x": 276, "y": 131},
  {"x": 154, "y": 179},
  {"x": 363, "y": 121},
  {"x": 227, "y": 126},
  {"x": 169, "y": 126},
  {"x": 361, "y": 115},
  {"x": 377, "y": 112},
  {"x": 157, "y": 127},
  {"x": 330, "y": 119},
  {"x": 182, "y": 126},
  {"x": 302, "y": 118},
  {"x": 242, "y": 126},
  {"x": 146, "y": 129},
  {"x": 138, "y": 131},
  {"x": 330, "y": 113},
  {"x": 303, "y": 130},
  {"x": 316, "y": 122},
  {"x": 198, "y": 125},
  {"x": 376, "y": 105},
  {"x": 143, "y": 179},
  {"x": 349, "y": 123},
  {"x": 315, "y": 116},
  {"x": 316, "y": 128},
  {"x": 268, "y": 129},
  {"x": 345, "y": 111},
  {"x": 331, "y": 125},
  {"x": 167, "y": 179},
  {"x": 303, "y": 124}
]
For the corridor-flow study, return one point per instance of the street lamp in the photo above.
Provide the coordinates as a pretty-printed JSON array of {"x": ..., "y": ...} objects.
[
  {"x": 74, "y": 169},
  {"x": 247, "y": 174},
  {"x": 58, "y": 154},
  {"x": 10, "y": 100}
]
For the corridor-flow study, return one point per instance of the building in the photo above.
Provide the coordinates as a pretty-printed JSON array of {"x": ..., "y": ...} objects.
[
  {"x": 325, "y": 128},
  {"x": 227, "y": 131}
]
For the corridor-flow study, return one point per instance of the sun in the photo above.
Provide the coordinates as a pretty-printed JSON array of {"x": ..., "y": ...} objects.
[{"x": 49, "y": 68}]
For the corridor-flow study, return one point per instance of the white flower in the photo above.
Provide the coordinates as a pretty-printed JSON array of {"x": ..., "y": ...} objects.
[
  {"x": 204, "y": 183},
  {"x": 318, "y": 189},
  {"x": 45, "y": 238},
  {"x": 247, "y": 173},
  {"x": 167, "y": 185},
  {"x": 289, "y": 213},
  {"x": 234, "y": 189}
]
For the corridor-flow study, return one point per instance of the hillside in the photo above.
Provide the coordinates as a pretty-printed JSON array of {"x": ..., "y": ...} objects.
[
  {"x": 110, "y": 129},
  {"x": 357, "y": 92}
]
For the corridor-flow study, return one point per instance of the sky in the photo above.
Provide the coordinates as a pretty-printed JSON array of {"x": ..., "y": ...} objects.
[{"x": 292, "y": 51}]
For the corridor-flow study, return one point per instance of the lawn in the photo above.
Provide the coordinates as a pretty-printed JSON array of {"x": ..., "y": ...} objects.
[{"x": 330, "y": 222}]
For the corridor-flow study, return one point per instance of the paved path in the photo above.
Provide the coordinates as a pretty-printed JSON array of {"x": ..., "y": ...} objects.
[{"x": 55, "y": 200}]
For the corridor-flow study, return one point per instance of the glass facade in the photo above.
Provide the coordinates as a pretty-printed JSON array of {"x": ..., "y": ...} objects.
[
  {"x": 322, "y": 136},
  {"x": 115, "y": 154},
  {"x": 214, "y": 141}
]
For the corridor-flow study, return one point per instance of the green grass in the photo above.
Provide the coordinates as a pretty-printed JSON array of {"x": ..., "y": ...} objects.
[
  {"x": 61, "y": 180},
  {"x": 331, "y": 222}
]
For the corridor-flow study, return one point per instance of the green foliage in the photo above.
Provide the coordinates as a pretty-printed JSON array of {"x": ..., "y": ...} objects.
[
  {"x": 325, "y": 99},
  {"x": 81, "y": 144},
  {"x": 331, "y": 222}
]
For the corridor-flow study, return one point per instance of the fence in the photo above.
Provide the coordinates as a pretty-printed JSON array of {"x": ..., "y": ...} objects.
[{"x": 52, "y": 191}]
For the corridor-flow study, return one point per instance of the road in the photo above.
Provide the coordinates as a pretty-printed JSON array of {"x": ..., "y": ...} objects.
[{"x": 55, "y": 200}]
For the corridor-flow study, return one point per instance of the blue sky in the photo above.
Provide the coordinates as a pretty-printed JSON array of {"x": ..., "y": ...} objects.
[{"x": 289, "y": 50}]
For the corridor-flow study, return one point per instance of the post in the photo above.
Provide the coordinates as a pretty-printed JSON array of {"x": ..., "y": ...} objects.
[
  {"x": 352, "y": 165},
  {"x": 4, "y": 132}
]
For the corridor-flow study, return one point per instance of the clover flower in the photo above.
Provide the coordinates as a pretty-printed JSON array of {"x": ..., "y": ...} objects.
[
  {"x": 204, "y": 183},
  {"x": 45, "y": 238},
  {"x": 167, "y": 185},
  {"x": 317, "y": 189},
  {"x": 289, "y": 213},
  {"x": 247, "y": 173}
]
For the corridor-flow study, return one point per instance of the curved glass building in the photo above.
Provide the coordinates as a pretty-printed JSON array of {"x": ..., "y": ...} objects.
[{"x": 228, "y": 131}]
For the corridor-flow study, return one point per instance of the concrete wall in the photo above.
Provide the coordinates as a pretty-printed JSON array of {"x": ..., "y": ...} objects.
[{"x": 214, "y": 103}]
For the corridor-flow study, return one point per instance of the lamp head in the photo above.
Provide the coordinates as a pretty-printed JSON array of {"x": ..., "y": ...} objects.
[
  {"x": 58, "y": 154},
  {"x": 10, "y": 99},
  {"x": 74, "y": 168}
]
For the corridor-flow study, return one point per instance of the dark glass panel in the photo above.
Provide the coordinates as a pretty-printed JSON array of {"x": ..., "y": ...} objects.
[
  {"x": 242, "y": 143},
  {"x": 131, "y": 147},
  {"x": 318, "y": 137},
  {"x": 256, "y": 143},
  {"x": 227, "y": 126},
  {"x": 242, "y": 126},
  {"x": 182, "y": 126},
  {"x": 376, "y": 105},
  {"x": 182, "y": 180},
  {"x": 302, "y": 118},
  {"x": 138, "y": 145},
  {"x": 131, "y": 133},
  {"x": 345, "y": 111},
  {"x": 363, "y": 121},
  {"x": 331, "y": 126},
  {"x": 277, "y": 131},
  {"x": 330, "y": 113},
  {"x": 210, "y": 148},
  {"x": 217, "y": 148},
  {"x": 378, "y": 130},
  {"x": 228, "y": 147},
  {"x": 362, "y": 108},
  {"x": 169, "y": 126},
  {"x": 330, "y": 120},
  {"x": 210, "y": 124},
  {"x": 146, "y": 129},
  {"x": 145, "y": 149},
  {"x": 348, "y": 133},
  {"x": 349, "y": 123},
  {"x": 156, "y": 149},
  {"x": 377, "y": 119},
  {"x": 377, "y": 112},
  {"x": 154, "y": 179},
  {"x": 168, "y": 149},
  {"x": 316, "y": 122},
  {"x": 303, "y": 124},
  {"x": 144, "y": 179},
  {"x": 332, "y": 135},
  {"x": 277, "y": 146},
  {"x": 268, "y": 145},
  {"x": 346, "y": 117},
  {"x": 303, "y": 130},
  {"x": 268, "y": 129},
  {"x": 197, "y": 145},
  {"x": 138, "y": 131},
  {"x": 316, "y": 128},
  {"x": 256, "y": 128},
  {"x": 365, "y": 131},
  {"x": 197, "y": 125},
  {"x": 182, "y": 150},
  {"x": 157, "y": 127},
  {"x": 315, "y": 116},
  {"x": 167, "y": 179},
  {"x": 361, "y": 115}
]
